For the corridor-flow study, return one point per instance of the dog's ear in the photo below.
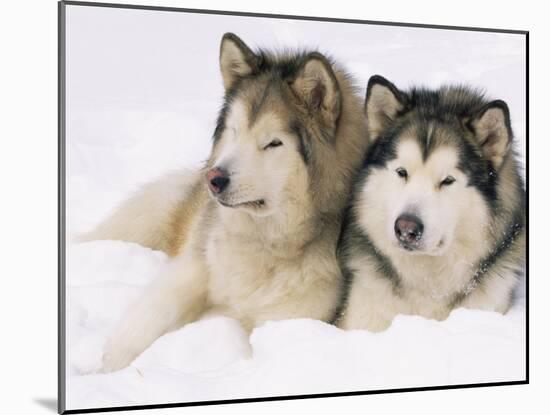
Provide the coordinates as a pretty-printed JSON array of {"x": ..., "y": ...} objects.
[
  {"x": 317, "y": 88},
  {"x": 236, "y": 59},
  {"x": 383, "y": 104},
  {"x": 491, "y": 126}
]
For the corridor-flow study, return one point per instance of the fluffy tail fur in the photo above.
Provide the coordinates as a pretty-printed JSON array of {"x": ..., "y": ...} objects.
[{"x": 157, "y": 216}]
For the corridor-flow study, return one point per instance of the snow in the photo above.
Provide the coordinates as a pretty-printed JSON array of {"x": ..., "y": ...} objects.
[{"x": 143, "y": 91}]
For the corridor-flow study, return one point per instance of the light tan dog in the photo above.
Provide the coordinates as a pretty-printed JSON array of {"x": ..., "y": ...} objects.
[{"x": 254, "y": 233}]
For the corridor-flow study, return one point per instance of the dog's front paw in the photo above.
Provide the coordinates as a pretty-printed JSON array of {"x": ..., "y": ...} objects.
[{"x": 117, "y": 356}]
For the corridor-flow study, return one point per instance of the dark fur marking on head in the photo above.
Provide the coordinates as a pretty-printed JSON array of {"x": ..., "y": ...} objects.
[
  {"x": 382, "y": 150},
  {"x": 304, "y": 141},
  {"x": 220, "y": 122},
  {"x": 258, "y": 104},
  {"x": 480, "y": 173}
]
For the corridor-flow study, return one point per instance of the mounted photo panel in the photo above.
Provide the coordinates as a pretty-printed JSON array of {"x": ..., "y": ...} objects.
[{"x": 258, "y": 207}]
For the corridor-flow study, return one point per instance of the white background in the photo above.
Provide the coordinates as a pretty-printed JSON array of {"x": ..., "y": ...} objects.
[
  {"x": 29, "y": 170},
  {"x": 144, "y": 87}
]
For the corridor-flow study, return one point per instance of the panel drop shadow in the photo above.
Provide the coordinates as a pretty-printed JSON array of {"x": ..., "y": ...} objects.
[{"x": 48, "y": 403}]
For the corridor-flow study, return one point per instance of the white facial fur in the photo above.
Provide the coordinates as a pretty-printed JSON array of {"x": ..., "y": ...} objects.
[
  {"x": 257, "y": 172},
  {"x": 446, "y": 211}
]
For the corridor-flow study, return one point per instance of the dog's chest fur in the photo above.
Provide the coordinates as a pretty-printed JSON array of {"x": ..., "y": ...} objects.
[
  {"x": 255, "y": 279},
  {"x": 433, "y": 279},
  {"x": 422, "y": 287},
  {"x": 426, "y": 286}
]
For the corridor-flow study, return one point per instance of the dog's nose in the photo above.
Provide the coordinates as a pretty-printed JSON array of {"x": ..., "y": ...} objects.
[
  {"x": 408, "y": 229},
  {"x": 218, "y": 180}
]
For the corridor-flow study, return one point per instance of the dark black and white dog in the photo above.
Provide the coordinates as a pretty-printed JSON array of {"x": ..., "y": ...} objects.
[{"x": 438, "y": 213}]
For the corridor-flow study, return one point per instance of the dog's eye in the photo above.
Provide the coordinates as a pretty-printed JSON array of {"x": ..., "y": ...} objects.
[
  {"x": 274, "y": 143},
  {"x": 401, "y": 172},
  {"x": 448, "y": 181}
]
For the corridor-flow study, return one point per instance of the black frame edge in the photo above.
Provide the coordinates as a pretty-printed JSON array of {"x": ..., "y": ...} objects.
[
  {"x": 61, "y": 396},
  {"x": 292, "y": 397},
  {"x": 527, "y": 295},
  {"x": 292, "y": 17}
]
